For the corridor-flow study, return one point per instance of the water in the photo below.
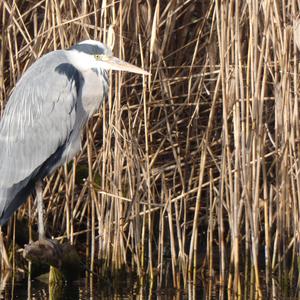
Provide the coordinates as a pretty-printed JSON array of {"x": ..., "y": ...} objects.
[
  {"x": 90, "y": 288},
  {"x": 86, "y": 288},
  {"x": 76, "y": 290}
]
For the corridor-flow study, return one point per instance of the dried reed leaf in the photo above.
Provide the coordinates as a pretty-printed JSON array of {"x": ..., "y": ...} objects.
[
  {"x": 297, "y": 32},
  {"x": 110, "y": 37},
  {"x": 154, "y": 29}
]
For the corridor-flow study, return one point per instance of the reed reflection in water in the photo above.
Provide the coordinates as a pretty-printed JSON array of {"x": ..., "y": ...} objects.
[{"x": 89, "y": 287}]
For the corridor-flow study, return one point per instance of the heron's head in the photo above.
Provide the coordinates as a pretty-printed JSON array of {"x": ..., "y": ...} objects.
[{"x": 91, "y": 54}]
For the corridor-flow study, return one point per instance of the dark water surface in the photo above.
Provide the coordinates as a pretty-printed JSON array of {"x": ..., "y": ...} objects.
[
  {"x": 90, "y": 288},
  {"x": 82, "y": 289}
]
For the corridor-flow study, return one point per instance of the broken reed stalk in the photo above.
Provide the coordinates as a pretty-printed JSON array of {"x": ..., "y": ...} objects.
[{"x": 211, "y": 137}]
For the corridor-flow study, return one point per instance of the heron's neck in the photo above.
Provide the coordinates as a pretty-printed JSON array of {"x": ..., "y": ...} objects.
[{"x": 84, "y": 63}]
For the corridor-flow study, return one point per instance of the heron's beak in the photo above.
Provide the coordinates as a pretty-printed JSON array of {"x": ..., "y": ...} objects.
[{"x": 114, "y": 63}]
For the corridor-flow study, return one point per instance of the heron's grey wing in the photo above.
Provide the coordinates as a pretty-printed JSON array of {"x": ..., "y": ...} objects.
[{"x": 38, "y": 118}]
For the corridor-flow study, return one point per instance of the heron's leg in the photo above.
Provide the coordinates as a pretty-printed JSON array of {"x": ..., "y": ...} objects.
[{"x": 40, "y": 208}]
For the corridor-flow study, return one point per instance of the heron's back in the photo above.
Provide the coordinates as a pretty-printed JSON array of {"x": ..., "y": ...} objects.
[
  {"x": 36, "y": 126},
  {"x": 41, "y": 126}
]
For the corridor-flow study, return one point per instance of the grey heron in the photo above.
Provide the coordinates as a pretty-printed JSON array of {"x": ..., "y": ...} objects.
[{"x": 41, "y": 125}]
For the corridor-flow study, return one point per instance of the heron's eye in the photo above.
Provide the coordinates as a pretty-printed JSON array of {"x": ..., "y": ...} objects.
[
  {"x": 98, "y": 56},
  {"x": 102, "y": 57}
]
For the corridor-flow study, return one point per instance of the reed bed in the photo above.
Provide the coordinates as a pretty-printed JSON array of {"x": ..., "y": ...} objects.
[{"x": 193, "y": 170}]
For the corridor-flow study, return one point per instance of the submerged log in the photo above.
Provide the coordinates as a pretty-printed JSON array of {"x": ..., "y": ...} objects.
[{"x": 63, "y": 259}]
